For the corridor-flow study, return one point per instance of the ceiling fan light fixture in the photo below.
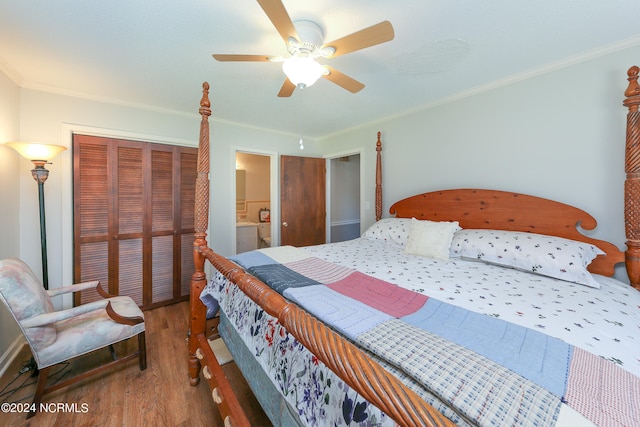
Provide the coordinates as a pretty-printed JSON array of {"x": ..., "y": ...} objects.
[
  {"x": 302, "y": 71},
  {"x": 328, "y": 52}
]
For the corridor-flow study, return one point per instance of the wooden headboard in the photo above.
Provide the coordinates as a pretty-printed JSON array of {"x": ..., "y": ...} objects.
[{"x": 502, "y": 210}]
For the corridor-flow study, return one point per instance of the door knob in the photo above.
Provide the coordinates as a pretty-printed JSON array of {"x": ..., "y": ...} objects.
[{"x": 284, "y": 224}]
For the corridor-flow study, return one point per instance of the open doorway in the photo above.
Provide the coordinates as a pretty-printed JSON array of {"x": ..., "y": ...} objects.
[
  {"x": 344, "y": 198},
  {"x": 254, "y": 196}
]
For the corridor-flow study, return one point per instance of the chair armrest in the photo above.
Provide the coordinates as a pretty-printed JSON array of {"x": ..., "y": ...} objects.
[
  {"x": 73, "y": 288},
  {"x": 56, "y": 316},
  {"x": 79, "y": 287},
  {"x": 122, "y": 319}
]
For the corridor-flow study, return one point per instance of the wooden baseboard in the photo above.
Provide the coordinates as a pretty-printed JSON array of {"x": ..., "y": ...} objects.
[{"x": 12, "y": 352}]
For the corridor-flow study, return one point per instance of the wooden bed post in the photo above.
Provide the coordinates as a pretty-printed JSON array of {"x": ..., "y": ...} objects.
[
  {"x": 198, "y": 311},
  {"x": 378, "y": 179},
  {"x": 632, "y": 182}
]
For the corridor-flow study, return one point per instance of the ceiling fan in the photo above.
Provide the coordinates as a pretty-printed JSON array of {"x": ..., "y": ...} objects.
[{"x": 305, "y": 43}]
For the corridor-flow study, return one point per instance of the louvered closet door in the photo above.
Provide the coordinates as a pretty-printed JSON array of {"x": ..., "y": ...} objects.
[
  {"x": 127, "y": 260},
  {"x": 188, "y": 173},
  {"x": 173, "y": 199},
  {"x": 133, "y": 220},
  {"x": 163, "y": 220},
  {"x": 91, "y": 214}
]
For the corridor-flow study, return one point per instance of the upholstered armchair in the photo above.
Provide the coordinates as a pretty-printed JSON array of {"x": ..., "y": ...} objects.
[{"x": 57, "y": 336}]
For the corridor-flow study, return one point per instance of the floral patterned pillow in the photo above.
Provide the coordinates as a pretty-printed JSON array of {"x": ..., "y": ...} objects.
[
  {"x": 392, "y": 230},
  {"x": 551, "y": 256}
]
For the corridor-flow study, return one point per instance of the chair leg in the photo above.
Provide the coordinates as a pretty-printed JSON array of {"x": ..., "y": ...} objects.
[
  {"x": 112, "y": 349},
  {"x": 31, "y": 366},
  {"x": 142, "y": 348},
  {"x": 40, "y": 387}
]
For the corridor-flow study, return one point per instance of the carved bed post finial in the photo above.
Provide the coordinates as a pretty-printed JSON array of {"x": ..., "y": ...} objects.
[
  {"x": 202, "y": 179},
  {"x": 632, "y": 181},
  {"x": 634, "y": 87},
  {"x": 199, "y": 279},
  {"x": 378, "y": 178}
]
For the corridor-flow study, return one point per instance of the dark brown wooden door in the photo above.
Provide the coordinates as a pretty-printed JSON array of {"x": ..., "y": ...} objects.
[
  {"x": 133, "y": 218},
  {"x": 302, "y": 201}
]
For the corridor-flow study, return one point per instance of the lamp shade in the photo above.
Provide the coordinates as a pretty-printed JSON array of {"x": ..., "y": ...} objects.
[
  {"x": 35, "y": 151},
  {"x": 302, "y": 71}
]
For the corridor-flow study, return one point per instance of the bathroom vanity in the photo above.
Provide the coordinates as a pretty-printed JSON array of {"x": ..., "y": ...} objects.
[{"x": 246, "y": 236}]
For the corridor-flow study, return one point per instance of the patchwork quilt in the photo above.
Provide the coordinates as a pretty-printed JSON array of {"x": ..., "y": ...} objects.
[{"x": 490, "y": 371}]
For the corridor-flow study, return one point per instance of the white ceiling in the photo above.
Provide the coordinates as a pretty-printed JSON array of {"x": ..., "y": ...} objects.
[{"x": 157, "y": 53}]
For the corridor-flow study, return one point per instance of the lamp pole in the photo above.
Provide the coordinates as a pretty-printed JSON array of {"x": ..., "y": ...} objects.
[{"x": 40, "y": 174}]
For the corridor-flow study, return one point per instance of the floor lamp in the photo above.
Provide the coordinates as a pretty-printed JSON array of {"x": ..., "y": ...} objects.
[{"x": 40, "y": 155}]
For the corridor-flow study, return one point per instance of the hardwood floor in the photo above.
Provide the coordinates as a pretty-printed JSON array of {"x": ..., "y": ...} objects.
[{"x": 159, "y": 396}]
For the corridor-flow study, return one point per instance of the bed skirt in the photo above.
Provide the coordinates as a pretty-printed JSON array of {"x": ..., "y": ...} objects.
[{"x": 275, "y": 406}]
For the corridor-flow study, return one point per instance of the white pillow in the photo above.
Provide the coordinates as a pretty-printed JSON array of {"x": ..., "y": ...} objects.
[
  {"x": 551, "y": 256},
  {"x": 392, "y": 230},
  {"x": 431, "y": 238}
]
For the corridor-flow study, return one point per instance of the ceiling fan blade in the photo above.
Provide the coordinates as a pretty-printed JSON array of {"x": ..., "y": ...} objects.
[
  {"x": 230, "y": 57},
  {"x": 287, "y": 89},
  {"x": 343, "y": 80},
  {"x": 280, "y": 19},
  {"x": 371, "y": 36}
]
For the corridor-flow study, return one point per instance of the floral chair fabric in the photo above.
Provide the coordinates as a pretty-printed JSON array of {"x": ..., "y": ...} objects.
[{"x": 57, "y": 336}]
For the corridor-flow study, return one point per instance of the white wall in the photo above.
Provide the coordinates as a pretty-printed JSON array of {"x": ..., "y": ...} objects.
[
  {"x": 559, "y": 135},
  {"x": 10, "y": 341}
]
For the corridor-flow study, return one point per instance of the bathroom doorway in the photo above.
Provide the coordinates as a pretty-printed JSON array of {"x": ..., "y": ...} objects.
[{"x": 253, "y": 193}]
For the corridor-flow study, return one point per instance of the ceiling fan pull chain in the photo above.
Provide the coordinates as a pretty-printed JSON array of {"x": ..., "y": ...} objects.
[{"x": 301, "y": 120}]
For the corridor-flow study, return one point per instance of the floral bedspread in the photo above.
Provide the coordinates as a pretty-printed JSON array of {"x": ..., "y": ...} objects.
[
  {"x": 319, "y": 396},
  {"x": 573, "y": 315}
]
